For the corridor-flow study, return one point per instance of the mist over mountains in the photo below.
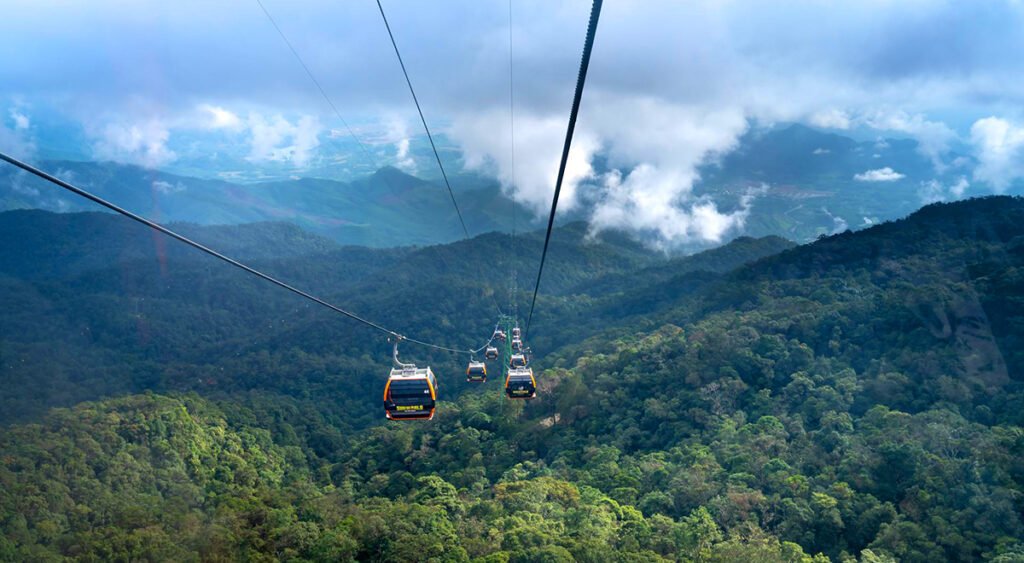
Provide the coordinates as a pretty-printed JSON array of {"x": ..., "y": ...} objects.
[{"x": 797, "y": 182}]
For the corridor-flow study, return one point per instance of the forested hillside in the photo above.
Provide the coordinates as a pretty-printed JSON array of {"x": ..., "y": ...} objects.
[{"x": 860, "y": 398}]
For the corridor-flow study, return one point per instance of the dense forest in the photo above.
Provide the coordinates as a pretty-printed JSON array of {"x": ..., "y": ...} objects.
[{"x": 859, "y": 398}]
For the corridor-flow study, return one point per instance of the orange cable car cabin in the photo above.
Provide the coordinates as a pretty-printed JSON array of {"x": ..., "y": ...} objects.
[
  {"x": 517, "y": 361},
  {"x": 410, "y": 394},
  {"x": 520, "y": 384},
  {"x": 476, "y": 372}
]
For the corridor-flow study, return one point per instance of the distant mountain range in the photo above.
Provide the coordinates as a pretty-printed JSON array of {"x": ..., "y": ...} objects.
[
  {"x": 813, "y": 183},
  {"x": 388, "y": 208},
  {"x": 808, "y": 183}
]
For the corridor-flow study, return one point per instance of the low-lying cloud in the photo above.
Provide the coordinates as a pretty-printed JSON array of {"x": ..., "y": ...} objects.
[
  {"x": 14, "y": 135},
  {"x": 879, "y": 175},
  {"x": 168, "y": 188},
  {"x": 999, "y": 148},
  {"x": 143, "y": 143},
  {"x": 486, "y": 144},
  {"x": 220, "y": 118},
  {"x": 934, "y": 138},
  {"x": 658, "y": 203},
  {"x": 935, "y": 190},
  {"x": 831, "y": 119},
  {"x": 652, "y": 147},
  {"x": 398, "y": 135},
  {"x": 21, "y": 121},
  {"x": 277, "y": 139}
]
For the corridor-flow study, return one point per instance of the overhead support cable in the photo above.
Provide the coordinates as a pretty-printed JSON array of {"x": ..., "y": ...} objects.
[
  {"x": 588, "y": 46},
  {"x": 514, "y": 292},
  {"x": 164, "y": 230},
  {"x": 366, "y": 153},
  {"x": 312, "y": 77},
  {"x": 433, "y": 146},
  {"x": 430, "y": 137}
]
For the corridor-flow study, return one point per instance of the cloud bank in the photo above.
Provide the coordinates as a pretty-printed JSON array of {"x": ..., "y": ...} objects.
[{"x": 672, "y": 87}]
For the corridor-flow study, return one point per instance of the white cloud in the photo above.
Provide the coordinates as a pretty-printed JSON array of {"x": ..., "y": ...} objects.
[
  {"x": 999, "y": 147},
  {"x": 220, "y": 118},
  {"x": 168, "y": 188},
  {"x": 485, "y": 142},
  {"x": 933, "y": 137},
  {"x": 70, "y": 177},
  {"x": 653, "y": 201},
  {"x": 934, "y": 190},
  {"x": 143, "y": 143},
  {"x": 831, "y": 119},
  {"x": 653, "y": 147},
  {"x": 931, "y": 191},
  {"x": 820, "y": 150},
  {"x": 398, "y": 134},
  {"x": 16, "y": 141},
  {"x": 277, "y": 139},
  {"x": 838, "y": 223},
  {"x": 21, "y": 121},
  {"x": 18, "y": 185},
  {"x": 760, "y": 61},
  {"x": 879, "y": 175},
  {"x": 957, "y": 189}
]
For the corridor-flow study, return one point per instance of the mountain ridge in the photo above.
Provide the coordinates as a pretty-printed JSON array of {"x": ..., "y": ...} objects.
[{"x": 803, "y": 182}]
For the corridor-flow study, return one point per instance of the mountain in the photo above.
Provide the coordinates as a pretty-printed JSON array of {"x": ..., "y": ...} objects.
[
  {"x": 101, "y": 239},
  {"x": 388, "y": 208},
  {"x": 722, "y": 259},
  {"x": 107, "y": 284},
  {"x": 804, "y": 184},
  {"x": 859, "y": 397},
  {"x": 807, "y": 180}
]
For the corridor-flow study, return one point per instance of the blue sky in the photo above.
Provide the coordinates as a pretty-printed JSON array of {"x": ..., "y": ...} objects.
[{"x": 209, "y": 87}]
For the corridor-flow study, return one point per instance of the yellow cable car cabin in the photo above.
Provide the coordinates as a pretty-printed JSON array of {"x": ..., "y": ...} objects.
[
  {"x": 411, "y": 393},
  {"x": 476, "y": 372},
  {"x": 520, "y": 384},
  {"x": 517, "y": 361},
  {"x": 517, "y": 345}
]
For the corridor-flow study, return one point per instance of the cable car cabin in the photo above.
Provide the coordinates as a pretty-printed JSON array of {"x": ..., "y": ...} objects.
[
  {"x": 476, "y": 372},
  {"x": 517, "y": 345},
  {"x": 491, "y": 353},
  {"x": 410, "y": 394},
  {"x": 520, "y": 384},
  {"x": 516, "y": 333},
  {"x": 517, "y": 361},
  {"x": 499, "y": 335}
]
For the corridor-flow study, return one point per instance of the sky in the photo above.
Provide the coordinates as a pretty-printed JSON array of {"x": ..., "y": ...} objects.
[{"x": 672, "y": 86}]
